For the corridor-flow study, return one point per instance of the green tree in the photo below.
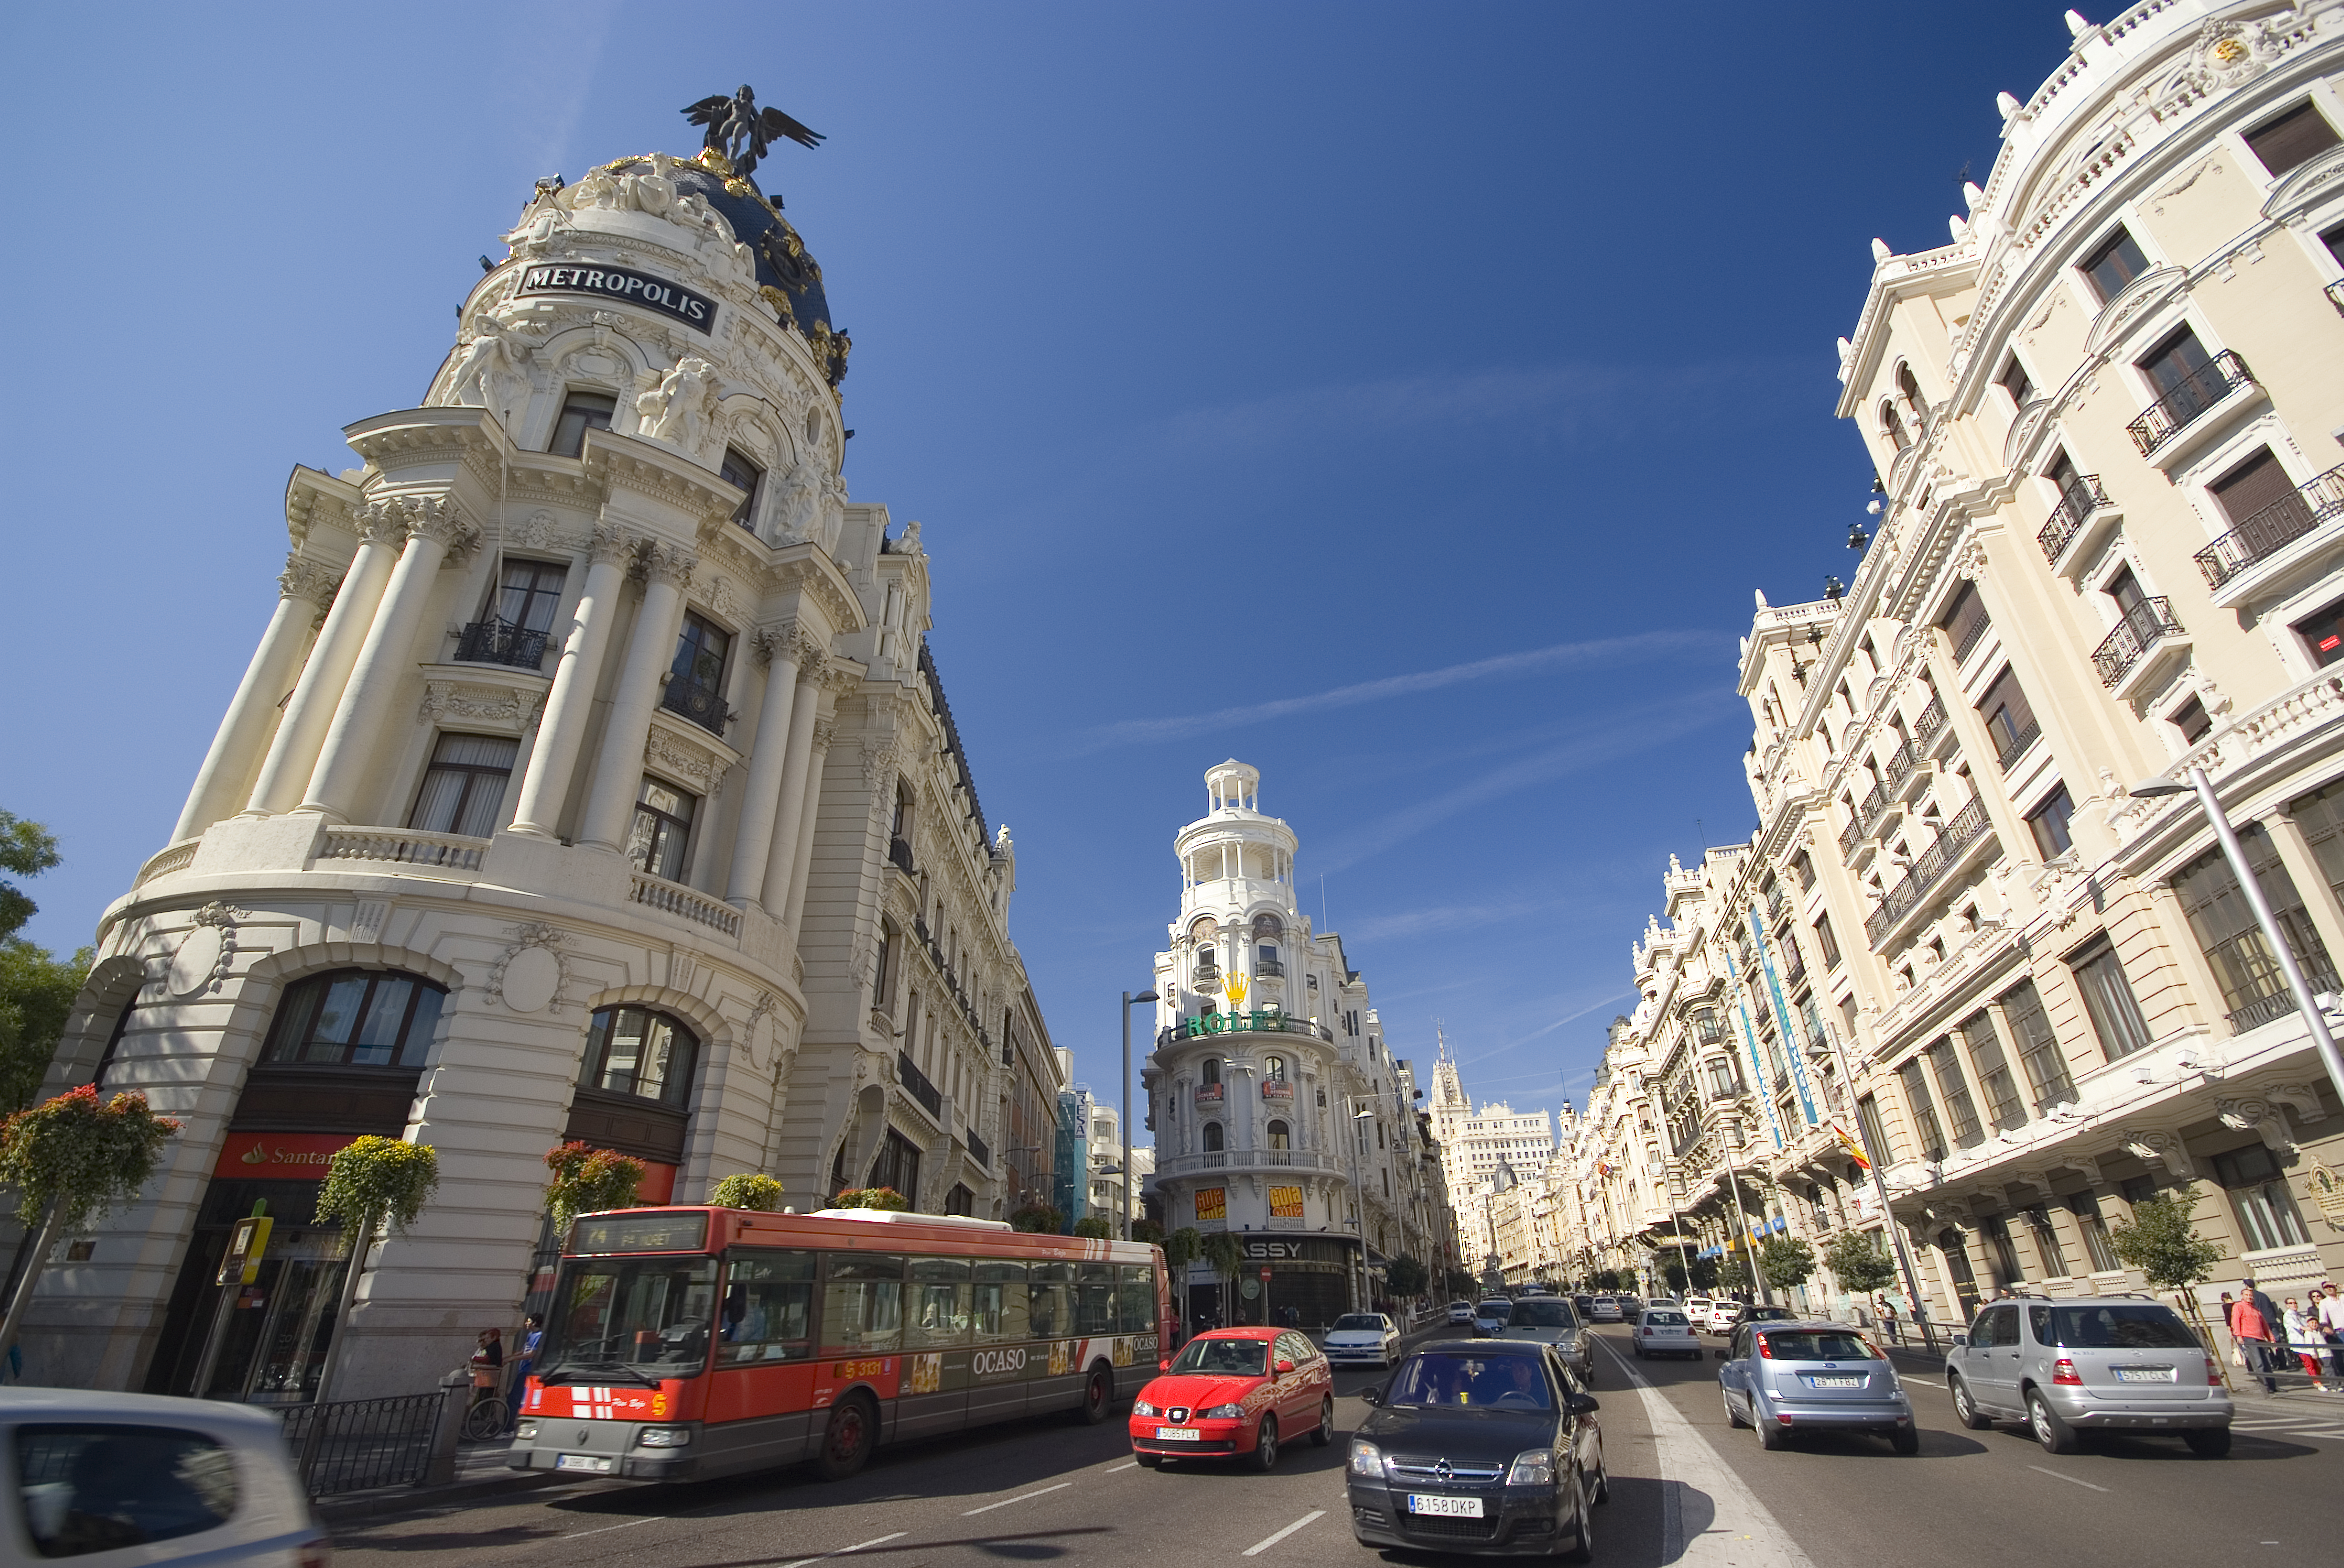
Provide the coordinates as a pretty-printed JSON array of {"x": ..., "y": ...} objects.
[
  {"x": 1225, "y": 1253},
  {"x": 1703, "y": 1272},
  {"x": 1039, "y": 1219},
  {"x": 744, "y": 1190},
  {"x": 70, "y": 1160},
  {"x": 26, "y": 849},
  {"x": 1856, "y": 1260},
  {"x": 1182, "y": 1248},
  {"x": 37, "y": 987},
  {"x": 588, "y": 1181},
  {"x": 1147, "y": 1230},
  {"x": 1733, "y": 1271},
  {"x": 1786, "y": 1262},
  {"x": 2162, "y": 1241},
  {"x": 1094, "y": 1227},
  {"x": 370, "y": 1184},
  {"x": 1405, "y": 1276},
  {"x": 885, "y": 1198}
]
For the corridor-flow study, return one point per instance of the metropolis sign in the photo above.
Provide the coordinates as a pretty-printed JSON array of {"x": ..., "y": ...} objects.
[{"x": 694, "y": 310}]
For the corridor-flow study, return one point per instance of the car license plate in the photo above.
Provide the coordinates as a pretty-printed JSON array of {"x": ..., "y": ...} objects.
[
  {"x": 1176, "y": 1434},
  {"x": 1453, "y": 1507},
  {"x": 2144, "y": 1374},
  {"x": 597, "y": 1462},
  {"x": 1834, "y": 1383}
]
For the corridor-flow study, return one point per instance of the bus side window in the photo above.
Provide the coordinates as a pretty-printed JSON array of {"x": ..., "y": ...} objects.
[
  {"x": 1095, "y": 1299},
  {"x": 768, "y": 1312},
  {"x": 861, "y": 1304},
  {"x": 1135, "y": 1299},
  {"x": 999, "y": 1304},
  {"x": 938, "y": 1318},
  {"x": 1049, "y": 1306}
]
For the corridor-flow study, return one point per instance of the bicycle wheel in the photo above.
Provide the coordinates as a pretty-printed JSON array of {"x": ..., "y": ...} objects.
[{"x": 486, "y": 1419}]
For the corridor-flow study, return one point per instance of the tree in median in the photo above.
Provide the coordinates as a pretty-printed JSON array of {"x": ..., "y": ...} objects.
[
  {"x": 1182, "y": 1248},
  {"x": 1856, "y": 1260},
  {"x": 1226, "y": 1254},
  {"x": 1147, "y": 1230},
  {"x": 71, "y": 1159},
  {"x": 1786, "y": 1262},
  {"x": 369, "y": 1184}
]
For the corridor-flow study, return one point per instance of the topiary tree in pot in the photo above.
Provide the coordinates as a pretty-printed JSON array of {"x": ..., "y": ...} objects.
[
  {"x": 759, "y": 1193},
  {"x": 70, "y": 1160},
  {"x": 370, "y": 1184}
]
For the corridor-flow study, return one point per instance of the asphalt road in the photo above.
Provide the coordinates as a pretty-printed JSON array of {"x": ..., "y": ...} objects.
[{"x": 1685, "y": 1490}]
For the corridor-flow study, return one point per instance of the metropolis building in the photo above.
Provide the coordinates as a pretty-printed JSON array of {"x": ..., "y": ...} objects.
[
  {"x": 1279, "y": 1110},
  {"x": 592, "y": 779}
]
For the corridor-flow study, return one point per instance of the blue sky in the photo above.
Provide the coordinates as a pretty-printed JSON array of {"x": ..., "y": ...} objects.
[{"x": 1405, "y": 399}]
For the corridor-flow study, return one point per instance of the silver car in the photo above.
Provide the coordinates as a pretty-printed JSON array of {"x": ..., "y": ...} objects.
[
  {"x": 150, "y": 1480},
  {"x": 1363, "y": 1337},
  {"x": 1551, "y": 1320},
  {"x": 2065, "y": 1366},
  {"x": 1492, "y": 1314},
  {"x": 1787, "y": 1377}
]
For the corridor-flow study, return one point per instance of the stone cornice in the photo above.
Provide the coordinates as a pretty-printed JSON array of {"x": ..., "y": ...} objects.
[
  {"x": 805, "y": 568},
  {"x": 313, "y": 497},
  {"x": 661, "y": 473}
]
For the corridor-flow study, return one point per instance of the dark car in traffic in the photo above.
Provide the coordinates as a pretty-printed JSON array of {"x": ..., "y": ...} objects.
[{"x": 1484, "y": 1447}]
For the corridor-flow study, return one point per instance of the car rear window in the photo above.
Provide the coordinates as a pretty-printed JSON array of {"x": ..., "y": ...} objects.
[
  {"x": 1544, "y": 1313},
  {"x": 1495, "y": 1309},
  {"x": 2111, "y": 1328},
  {"x": 1814, "y": 1345},
  {"x": 100, "y": 1488},
  {"x": 1360, "y": 1321},
  {"x": 1452, "y": 1379},
  {"x": 1671, "y": 1320}
]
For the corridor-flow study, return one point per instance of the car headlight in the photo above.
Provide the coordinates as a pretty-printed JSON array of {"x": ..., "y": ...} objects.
[
  {"x": 665, "y": 1437},
  {"x": 525, "y": 1431},
  {"x": 1226, "y": 1412},
  {"x": 1534, "y": 1468},
  {"x": 1366, "y": 1458},
  {"x": 1141, "y": 1407}
]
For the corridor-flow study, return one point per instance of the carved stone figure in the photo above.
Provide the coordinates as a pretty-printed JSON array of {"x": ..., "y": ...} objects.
[
  {"x": 648, "y": 188},
  {"x": 677, "y": 410},
  {"x": 491, "y": 373},
  {"x": 797, "y": 495}
]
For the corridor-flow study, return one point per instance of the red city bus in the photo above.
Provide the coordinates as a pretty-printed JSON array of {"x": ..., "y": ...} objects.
[{"x": 683, "y": 1344}]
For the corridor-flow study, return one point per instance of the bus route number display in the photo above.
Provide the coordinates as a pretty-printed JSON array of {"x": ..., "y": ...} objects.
[{"x": 641, "y": 1233}]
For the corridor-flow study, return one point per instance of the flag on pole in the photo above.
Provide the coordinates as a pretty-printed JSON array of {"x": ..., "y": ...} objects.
[{"x": 1854, "y": 1149}]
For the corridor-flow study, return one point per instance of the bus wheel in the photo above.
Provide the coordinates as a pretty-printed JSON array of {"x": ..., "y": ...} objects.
[
  {"x": 1098, "y": 1393},
  {"x": 847, "y": 1441}
]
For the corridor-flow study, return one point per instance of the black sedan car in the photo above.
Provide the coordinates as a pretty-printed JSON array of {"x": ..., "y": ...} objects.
[{"x": 1485, "y": 1447}]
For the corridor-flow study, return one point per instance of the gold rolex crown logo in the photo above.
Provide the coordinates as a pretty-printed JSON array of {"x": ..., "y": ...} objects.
[{"x": 1238, "y": 989}]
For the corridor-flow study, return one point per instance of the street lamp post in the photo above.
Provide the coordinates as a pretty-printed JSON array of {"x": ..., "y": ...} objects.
[
  {"x": 1128, "y": 998},
  {"x": 2305, "y": 1003}
]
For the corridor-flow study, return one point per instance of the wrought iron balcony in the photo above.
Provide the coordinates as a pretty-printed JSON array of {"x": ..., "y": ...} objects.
[
  {"x": 1970, "y": 638},
  {"x": 499, "y": 641},
  {"x": 916, "y": 1081},
  {"x": 1968, "y": 828},
  {"x": 2272, "y": 529},
  {"x": 2335, "y": 295},
  {"x": 704, "y": 705},
  {"x": 1269, "y": 969},
  {"x": 1268, "y": 1020},
  {"x": 2028, "y": 734},
  {"x": 899, "y": 855},
  {"x": 1899, "y": 771},
  {"x": 1850, "y": 836},
  {"x": 2143, "y": 626},
  {"x": 978, "y": 1151},
  {"x": 2195, "y": 393},
  {"x": 2078, "y": 502}
]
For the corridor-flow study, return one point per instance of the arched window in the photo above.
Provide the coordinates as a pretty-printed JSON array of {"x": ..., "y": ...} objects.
[
  {"x": 1278, "y": 1136},
  {"x": 1892, "y": 426},
  {"x": 1212, "y": 1070},
  {"x": 1213, "y": 1144},
  {"x": 1273, "y": 1069},
  {"x": 883, "y": 980},
  {"x": 356, "y": 1017},
  {"x": 633, "y": 1050}
]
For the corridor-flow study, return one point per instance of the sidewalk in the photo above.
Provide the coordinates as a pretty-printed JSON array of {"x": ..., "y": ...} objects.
[{"x": 481, "y": 1472}]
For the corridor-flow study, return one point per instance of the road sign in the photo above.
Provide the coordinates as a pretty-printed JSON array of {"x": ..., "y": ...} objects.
[{"x": 1265, "y": 1273}]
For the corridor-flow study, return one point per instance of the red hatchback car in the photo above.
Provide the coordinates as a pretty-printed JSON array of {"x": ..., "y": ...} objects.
[{"x": 1235, "y": 1391}]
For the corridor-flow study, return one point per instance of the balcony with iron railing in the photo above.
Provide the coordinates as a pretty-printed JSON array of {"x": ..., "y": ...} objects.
[
  {"x": 2191, "y": 398},
  {"x": 908, "y": 1073},
  {"x": 2081, "y": 501},
  {"x": 2142, "y": 628},
  {"x": 2028, "y": 734},
  {"x": 1269, "y": 969},
  {"x": 899, "y": 855},
  {"x": 1969, "y": 826},
  {"x": 1903, "y": 764},
  {"x": 499, "y": 641},
  {"x": 978, "y": 1150},
  {"x": 2335, "y": 295},
  {"x": 704, "y": 705},
  {"x": 1971, "y": 637},
  {"x": 1932, "y": 733},
  {"x": 2270, "y": 530}
]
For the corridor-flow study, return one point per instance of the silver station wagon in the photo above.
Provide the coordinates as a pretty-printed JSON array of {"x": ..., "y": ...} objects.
[
  {"x": 2066, "y": 1365},
  {"x": 1787, "y": 1377}
]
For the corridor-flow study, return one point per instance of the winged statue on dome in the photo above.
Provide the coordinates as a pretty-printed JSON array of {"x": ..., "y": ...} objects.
[{"x": 742, "y": 132}]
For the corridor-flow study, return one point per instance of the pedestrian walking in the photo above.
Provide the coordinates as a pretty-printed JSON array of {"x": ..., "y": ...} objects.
[
  {"x": 2307, "y": 1343},
  {"x": 2253, "y": 1334},
  {"x": 1888, "y": 1320}
]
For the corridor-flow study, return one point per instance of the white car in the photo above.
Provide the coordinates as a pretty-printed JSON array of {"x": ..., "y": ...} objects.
[
  {"x": 1724, "y": 1313},
  {"x": 1666, "y": 1332},
  {"x": 138, "y": 1478},
  {"x": 1696, "y": 1311},
  {"x": 1362, "y": 1337},
  {"x": 1606, "y": 1310},
  {"x": 1460, "y": 1313}
]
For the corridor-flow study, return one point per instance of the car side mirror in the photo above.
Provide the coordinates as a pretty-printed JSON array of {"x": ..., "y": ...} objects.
[
  {"x": 1583, "y": 1404},
  {"x": 1961, "y": 1341},
  {"x": 1371, "y": 1396},
  {"x": 1719, "y": 1352},
  {"x": 1164, "y": 1363},
  {"x": 1285, "y": 1366}
]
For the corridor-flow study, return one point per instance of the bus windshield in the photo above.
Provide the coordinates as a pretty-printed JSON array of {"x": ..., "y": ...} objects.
[{"x": 638, "y": 1319}]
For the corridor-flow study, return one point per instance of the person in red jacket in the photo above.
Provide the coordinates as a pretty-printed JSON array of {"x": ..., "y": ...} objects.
[{"x": 2255, "y": 1333}]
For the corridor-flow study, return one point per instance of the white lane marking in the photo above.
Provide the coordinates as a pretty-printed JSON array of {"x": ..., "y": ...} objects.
[
  {"x": 874, "y": 1541},
  {"x": 2057, "y": 1476},
  {"x": 1131, "y": 1464},
  {"x": 1259, "y": 1547},
  {"x": 1019, "y": 1498},
  {"x": 1742, "y": 1533},
  {"x": 606, "y": 1529}
]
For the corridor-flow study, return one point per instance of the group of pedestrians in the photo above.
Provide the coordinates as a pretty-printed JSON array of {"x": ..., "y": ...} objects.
[{"x": 2264, "y": 1334}]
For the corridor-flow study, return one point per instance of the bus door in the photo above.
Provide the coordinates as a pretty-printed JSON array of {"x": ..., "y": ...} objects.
[
  {"x": 761, "y": 1399},
  {"x": 861, "y": 1333},
  {"x": 1137, "y": 1337},
  {"x": 934, "y": 1395},
  {"x": 998, "y": 1353}
]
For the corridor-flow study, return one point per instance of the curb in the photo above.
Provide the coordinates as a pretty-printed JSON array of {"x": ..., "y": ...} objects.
[{"x": 361, "y": 1505}]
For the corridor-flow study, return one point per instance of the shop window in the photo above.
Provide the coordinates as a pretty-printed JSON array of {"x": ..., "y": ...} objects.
[
  {"x": 2108, "y": 999},
  {"x": 463, "y": 790},
  {"x": 2259, "y": 1195},
  {"x": 635, "y": 1051},
  {"x": 2292, "y": 139},
  {"x": 356, "y": 1017},
  {"x": 661, "y": 837},
  {"x": 581, "y": 412},
  {"x": 2117, "y": 261}
]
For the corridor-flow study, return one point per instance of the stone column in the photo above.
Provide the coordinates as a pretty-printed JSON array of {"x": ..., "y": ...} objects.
[
  {"x": 792, "y": 805},
  {"x": 569, "y": 702},
  {"x": 802, "y": 864},
  {"x": 434, "y": 528},
  {"x": 293, "y": 753},
  {"x": 619, "y": 771},
  {"x": 308, "y": 593},
  {"x": 787, "y": 650}
]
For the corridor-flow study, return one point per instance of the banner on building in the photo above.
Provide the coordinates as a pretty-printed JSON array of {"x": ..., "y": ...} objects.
[
  {"x": 1212, "y": 1206},
  {"x": 1286, "y": 1203}
]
